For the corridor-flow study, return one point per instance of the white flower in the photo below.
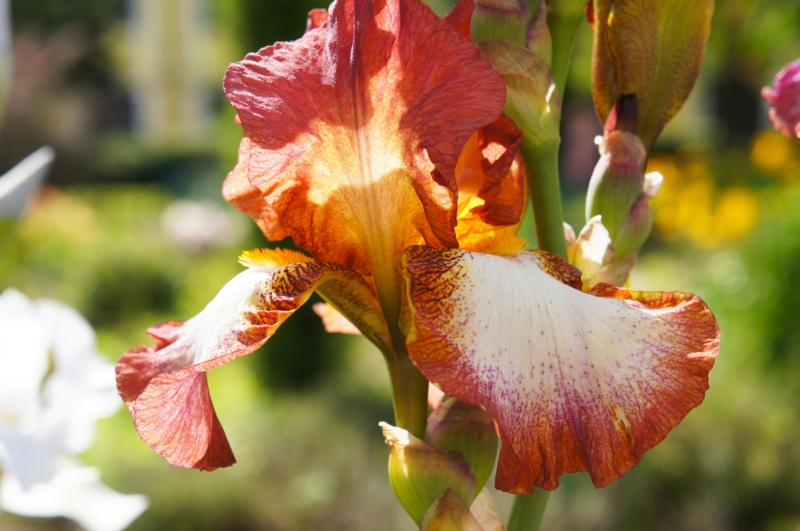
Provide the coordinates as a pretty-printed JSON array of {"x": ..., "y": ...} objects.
[
  {"x": 19, "y": 183},
  {"x": 54, "y": 387},
  {"x": 75, "y": 492}
]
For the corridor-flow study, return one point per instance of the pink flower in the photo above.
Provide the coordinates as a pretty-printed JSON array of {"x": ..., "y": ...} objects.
[{"x": 784, "y": 100}]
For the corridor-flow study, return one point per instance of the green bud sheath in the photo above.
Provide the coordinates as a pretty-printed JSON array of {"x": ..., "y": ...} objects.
[
  {"x": 468, "y": 430},
  {"x": 532, "y": 100},
  {"x": 420, "y": 473},
  {"x": 652, "y": 49},
  {"x": 500, "y": 20},
  {"x": 617, "y": 181},
  {"x": 449, "y": 513}
]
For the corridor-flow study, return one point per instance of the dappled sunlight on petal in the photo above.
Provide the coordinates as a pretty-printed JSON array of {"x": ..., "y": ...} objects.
[
  {"x": 492, "y": 184},
  {"x": 361, "y": 163},
  {"x": 575, "y": 380}
]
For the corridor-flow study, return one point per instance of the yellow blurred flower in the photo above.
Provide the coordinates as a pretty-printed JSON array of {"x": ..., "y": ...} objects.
[
  {"x": 691, "y": 207},
  {"x": 770, "y": 151}
]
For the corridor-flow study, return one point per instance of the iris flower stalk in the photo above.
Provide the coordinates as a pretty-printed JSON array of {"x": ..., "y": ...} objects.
[{"x": 376, "y": 142}]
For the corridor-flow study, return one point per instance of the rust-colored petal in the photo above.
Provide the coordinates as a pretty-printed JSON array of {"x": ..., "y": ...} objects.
[
  {"x": 316, "y": 19},
  {"x": 490, "y": 169},
  {"x": 248, "y": 199},
  {"x": 575, "y": 380},
  {"x": 492, "y": 184},
  {"x": 356, "y": 127},
  {"x": 165, "y": 387},
  {"x": 460, "y": 18}
]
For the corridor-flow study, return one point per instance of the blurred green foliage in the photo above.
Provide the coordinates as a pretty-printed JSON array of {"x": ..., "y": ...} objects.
[{"x": 302, "y": 413}]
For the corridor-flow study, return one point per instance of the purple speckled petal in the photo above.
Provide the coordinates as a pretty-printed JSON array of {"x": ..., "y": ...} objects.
[{"x": 575, "y": 378}]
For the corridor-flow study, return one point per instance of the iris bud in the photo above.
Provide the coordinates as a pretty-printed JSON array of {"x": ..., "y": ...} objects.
[
  {"x": 468, "y": 430},
  {"x": 421, "y": 473}
]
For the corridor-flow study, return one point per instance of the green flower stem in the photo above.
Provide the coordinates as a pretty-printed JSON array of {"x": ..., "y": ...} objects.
[
  {"x": 563, "y": 20},
  {"x": 409, "y": 386},
  {"x": 541, "y": 161},
  {"x": 409, "y": 393},
  {"x": 528, "y": 512}
]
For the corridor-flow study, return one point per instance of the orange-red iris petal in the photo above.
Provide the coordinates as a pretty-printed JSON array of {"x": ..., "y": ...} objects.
[
  {"x": 492, "y": 184},
  {"x": 460, "y": 18},
  {"x": 247, "y": 198},
  {"x": 352, "y": 132}
]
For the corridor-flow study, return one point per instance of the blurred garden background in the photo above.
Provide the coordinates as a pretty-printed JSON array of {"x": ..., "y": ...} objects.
[{"x": 131, "y": 230}]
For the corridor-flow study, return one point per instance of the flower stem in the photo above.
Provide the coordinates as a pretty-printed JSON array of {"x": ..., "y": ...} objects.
[
  {"x": 541, "y": 161},
  {"x": 528, "y": 512},
  {"x": 563, "y": 20},
  {"x": 409, "y": 393}
]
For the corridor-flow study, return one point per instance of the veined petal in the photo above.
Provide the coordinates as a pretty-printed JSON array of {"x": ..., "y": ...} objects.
[
  {"x": 575, "y": 380},
  {"x": 165, "y": 386},
  {"x": 353, "y": 131},
  {"x": 460, "y": 18},
  {"x": 248, "y": 199}
]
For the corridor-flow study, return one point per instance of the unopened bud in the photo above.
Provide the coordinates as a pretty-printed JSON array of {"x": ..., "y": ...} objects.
[
  {"x": 593, "y": 253},
  {"x": 651, "y": 49},
  {"x": 539, "y": 40},
  {"x": 617, "y": 181},
  {"x": 449, "y": 513},
  {"x": 500, "y": 20},
  {"x": 420, "y": 473},
  {"x": 532, "y": 100},
  {"x": 637, "y": 225},
  {"x": 469, "y": 430}
]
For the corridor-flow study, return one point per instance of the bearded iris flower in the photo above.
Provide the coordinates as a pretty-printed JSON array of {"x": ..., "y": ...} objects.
[{"x": 376, "y": 143}]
